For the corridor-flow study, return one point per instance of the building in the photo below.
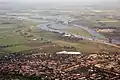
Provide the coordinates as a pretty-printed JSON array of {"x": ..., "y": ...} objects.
[
  {"x": 65, "y": 52},
  {"x": 105, "y": 30}
]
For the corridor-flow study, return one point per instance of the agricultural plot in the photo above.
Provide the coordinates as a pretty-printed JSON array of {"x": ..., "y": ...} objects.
[
  {"x": 9, "y": 36},
  {"x": 78, "y": 31},
  {"x": 27, "y": 34},
  {"x": 89, "y": 46}
]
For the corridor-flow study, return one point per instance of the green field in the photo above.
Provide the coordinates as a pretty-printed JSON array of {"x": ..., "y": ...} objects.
[
  {"x": 17, "y": 48},
  {"x": 46, "y": 35},
  {"x": 107, "y": 20},
  {"x": 9, "y": 36},
  {"x": 88, "y": 46},
  {"x": 78, "y": 31}
]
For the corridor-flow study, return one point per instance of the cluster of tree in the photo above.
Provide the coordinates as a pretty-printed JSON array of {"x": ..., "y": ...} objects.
[{"x": 5, "y": 46}]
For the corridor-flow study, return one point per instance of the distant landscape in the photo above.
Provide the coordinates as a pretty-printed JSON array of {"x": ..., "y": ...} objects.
[{"x": 47, "y": 28}]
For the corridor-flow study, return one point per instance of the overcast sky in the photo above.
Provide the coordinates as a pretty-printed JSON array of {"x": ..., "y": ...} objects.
[
  {"x": 65, "y": 1},
  {"x": 60, "y": 0}
]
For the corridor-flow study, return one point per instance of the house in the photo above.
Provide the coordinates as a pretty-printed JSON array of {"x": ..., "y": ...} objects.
[
  {"x": 105, "y": 30},
  {"x": 67, "y": 35}
]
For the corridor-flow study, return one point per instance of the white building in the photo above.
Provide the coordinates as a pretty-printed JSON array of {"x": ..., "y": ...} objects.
[{"x": 65, "y": 52}]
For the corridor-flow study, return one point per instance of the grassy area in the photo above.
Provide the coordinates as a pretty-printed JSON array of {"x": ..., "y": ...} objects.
[
  {"x": 104, "y": 22},
  {"x": 7, "y": 27},
  {"x": 78, "y": 31},
  {"x": 17, "y": 48},
  {"x": 82, "y": 46},
  {"x": 46, "y": 35},
  {"x": 8, "y": 36},
  {"x": 107, "y": 20},
  {"x": 88, "y": 46},
  {"x": 13, "y": 39}
]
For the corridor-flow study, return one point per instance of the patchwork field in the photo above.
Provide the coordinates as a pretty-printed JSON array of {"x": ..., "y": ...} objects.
[
  {"x": 89, "y": 46},
  {"x": 78, "y": 31},
  {"x": 25, "y": 36}
]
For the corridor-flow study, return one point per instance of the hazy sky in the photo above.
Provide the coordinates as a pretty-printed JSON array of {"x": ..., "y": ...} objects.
[
  {"x": 60, "y": 0},
  {"x": 64, "y": 1}
]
